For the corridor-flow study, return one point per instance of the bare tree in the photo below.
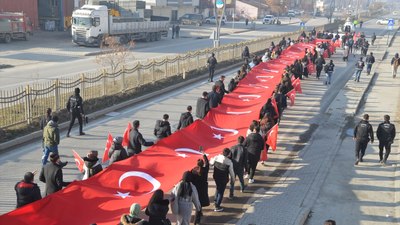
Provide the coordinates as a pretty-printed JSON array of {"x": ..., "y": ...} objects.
[{"x": 114, "y": 55}]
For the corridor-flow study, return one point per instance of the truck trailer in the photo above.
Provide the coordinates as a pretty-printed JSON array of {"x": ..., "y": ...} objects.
[
  {"x": 92, "y": 23},
  {"x": 14, "y": 25}
]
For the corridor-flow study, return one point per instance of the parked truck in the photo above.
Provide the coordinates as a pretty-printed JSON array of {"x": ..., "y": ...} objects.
[
  {"x": 14, "y": 25},
  {"x": 92, "y": 23}
]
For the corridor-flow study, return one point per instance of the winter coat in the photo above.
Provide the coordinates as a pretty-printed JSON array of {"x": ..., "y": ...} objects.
[
  {"x": 52, "y": 175},
  {"x": 75, "y": 104},
  {"x": 254, "y": 144},
  {"x": 26, "y": 193},
  {"x": 223, "y": 168},
  {"x": 185, "y": 120},
  {"x": 51, "y": 134},
  {"x": 185, "y": 203},
  {"x": 91, "y": 167},
  {"x": 117, "y": 153},
  {"x": 202, "y": 107},
  {"x": 212, "y": 62},
  {"x": 386, "y": 132},
  {"x": 157, "y": 212},
  {"x": 200, "y": 180},
  {"x": 214, "y": 99},
  {"x": 136, "y": 141},
  {"x": 363, "y": 132},
  {"x": 128, "y": 220},
  {"x": 239, "y": 157},
  {"x": 162, "y": 129}
]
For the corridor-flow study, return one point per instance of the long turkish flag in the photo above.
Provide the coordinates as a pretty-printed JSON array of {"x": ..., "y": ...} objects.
[{"x": 104, "y": 197}]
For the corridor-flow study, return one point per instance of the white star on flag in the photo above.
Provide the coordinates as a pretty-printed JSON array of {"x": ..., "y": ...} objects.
[
  {"x": 246, "y": 100},
  {"x": 218, "y": 136},
  {"x": 182, "y": 155},
  {"x": 123, "y": 195}
]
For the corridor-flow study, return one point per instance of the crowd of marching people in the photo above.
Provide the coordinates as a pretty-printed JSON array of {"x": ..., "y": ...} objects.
[{"x": 240, "y": 160}]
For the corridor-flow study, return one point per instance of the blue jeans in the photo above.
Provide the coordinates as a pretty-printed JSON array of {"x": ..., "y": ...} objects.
[
  {"x": 358, "y": 74},
  {"x": 329, "y": 77},
  {"x": 369, "y": 66},
  {"x": 219, "y": 192},
  {"x": 238, "y": 172},
  {"x": 46, "y": 152}
]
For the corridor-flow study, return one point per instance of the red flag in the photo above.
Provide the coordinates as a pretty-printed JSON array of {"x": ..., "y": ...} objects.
[
  {"x": 292, "y": 78},
  {"x": 125, "y": 140},
  {"x": 107, "y": 148},
  {"x": 275, "y": 105},
  {"x": 272, "y": 137},
  {"x": 264, "y": 154},
  {"x": 292, "y": 95},
  {"x": 78, "y": 161},
  {"x": 297, "y": 86}
]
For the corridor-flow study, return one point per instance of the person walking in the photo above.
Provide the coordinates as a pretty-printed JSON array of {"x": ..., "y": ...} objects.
[
  {"x": 186, "y": 118},
  {"x": 385, "y": 133},
  {"x": 373, "y": 38},
  {"x": 246, "y": 53},
  {"x": 370, "y": 60},
  {"x": 211, "y": 63},
  {"x": 223, "y": 169},
  {"x": 117, "y": 151},
  {"x": 75, "y": 107},
  {"x": 222, "y": 90},
  {"x": 52, "y": 175},
  {"x": 162, "y": 128},
  {"x": 239, "y": 159},
  {"x": 173, "y": 30},
  {"x": 395, "y": 64},
  {"x": 157, "y": 209},
  {"x": 319, "y": 63},
  {"x": 202, "y": 105},
  {"x": 363, "y": 133},
  {"x": 359, "y": 68},
  {"x": 45, "y": 118},
  {"x": 214, "y": 97},
  {"x": 91, "y": 165},
  {"x": 177, "y": 30},
  {"x": 254, "y": 144},
  {"x": 27, "y": 191},
  {"x": 200, "y": 180},
  {"x": 51, "y": 138},
  {"x": 136, "y": 140},
  {"x": 329, "y": 69},
  {"x": 186, "y": 194}
]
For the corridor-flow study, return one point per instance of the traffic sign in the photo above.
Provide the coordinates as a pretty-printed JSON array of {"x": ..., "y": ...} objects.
[
  {"x": 219, "y": 4},
  {"x": 391, "y": 22},
  {"x": 302, "y": 24}
]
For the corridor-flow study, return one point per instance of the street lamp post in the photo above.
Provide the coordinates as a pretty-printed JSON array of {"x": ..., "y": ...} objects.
[{"x": 219, "y": 8}]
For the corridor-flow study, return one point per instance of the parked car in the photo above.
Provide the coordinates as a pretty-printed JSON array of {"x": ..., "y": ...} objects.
[
  {"x": 291, "y": 13},
  {"x": 268, "y": 19},
  {"x": 212, "y": 20},
  {"x": 382, "y": 21},
  {"x": 191, "y": 19}
]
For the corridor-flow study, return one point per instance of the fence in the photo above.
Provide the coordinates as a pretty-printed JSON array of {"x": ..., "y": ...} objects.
[{"x": 24, "y": 104}]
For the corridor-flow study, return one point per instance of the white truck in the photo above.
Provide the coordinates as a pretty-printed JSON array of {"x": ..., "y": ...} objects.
[{"x": 92, "y": 23}]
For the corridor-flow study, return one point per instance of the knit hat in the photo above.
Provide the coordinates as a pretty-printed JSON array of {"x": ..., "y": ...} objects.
[{"x": 134, "y": 210}]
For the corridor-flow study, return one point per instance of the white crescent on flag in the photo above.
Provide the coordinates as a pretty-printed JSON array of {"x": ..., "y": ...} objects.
[
  {"x": 238, "y": 113},
  {"x": 258, "y": 86},
  {"x": 271, "y": 71},
  {"x": 264, "y": 80},
  {"x": 233, "y": 131},
  {"x": 156, "y": 184},
  {"x": 189, "y": 150},
  {"x": 247, "y": 98}
]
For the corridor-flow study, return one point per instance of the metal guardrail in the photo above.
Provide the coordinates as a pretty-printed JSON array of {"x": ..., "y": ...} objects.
[{"x": 24, "y": 104}]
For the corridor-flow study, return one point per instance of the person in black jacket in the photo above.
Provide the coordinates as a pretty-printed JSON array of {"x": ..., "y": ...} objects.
[
  {"x": 92, "y": 165},
  {"x": 239, "y": 160},
  {"x": 246, "y": 53},
  {"x": 52, "y": 175},
  {"x": 45, "y": 119},
  {"x": 200, "y": 180},
  {"x": 214, "y": 97},
  {"x": 254, "y": 144},
  {"x": 211, "y": 63},
  {"x": 386, "y": 133},
  {"x": 27, "y": 191},
  {"x": 157, "y": 208},
  {"x": 162, "y": 128},
  {"x": 136, "y": 140},
  {"x": 75, "y": 107},
  {"x": 370, "y": 60},
  {"x": 363, "y": 133},
  {"x": 186, "y": 118},
  {"x": 319, "y": 62},
  {"x": 222, "y": 90},
  {"x": 117, "y": 151},
  {"x": 202, "y": 106}
]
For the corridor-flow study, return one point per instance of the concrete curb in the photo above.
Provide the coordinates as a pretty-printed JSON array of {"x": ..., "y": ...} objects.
[{"x": 63, "y": 126}]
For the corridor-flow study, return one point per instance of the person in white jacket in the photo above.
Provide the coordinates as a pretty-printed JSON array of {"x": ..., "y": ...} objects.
[{"x": 183, "y": 197}]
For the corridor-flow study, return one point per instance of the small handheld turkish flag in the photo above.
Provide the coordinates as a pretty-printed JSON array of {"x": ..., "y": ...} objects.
[
  {"x": 125, "y": 140},
  {"x": 78, "y": 161},
  {"x": 275, "y": 105},
  {"x": 107, "y": 148},
  {"x": 292, "y": 95},
  {"x": 272, "y": 137}
]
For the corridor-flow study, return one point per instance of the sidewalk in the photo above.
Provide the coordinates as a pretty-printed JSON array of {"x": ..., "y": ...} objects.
[{"x": 292, "y": 196}]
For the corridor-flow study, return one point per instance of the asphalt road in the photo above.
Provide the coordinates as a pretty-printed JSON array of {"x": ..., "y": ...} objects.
[
  {"x": 16, "y": 162},
  {"x": 53, "y": 55}
]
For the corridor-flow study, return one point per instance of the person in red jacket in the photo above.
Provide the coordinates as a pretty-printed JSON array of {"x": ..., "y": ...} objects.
[{"x": 27, "y": 191}]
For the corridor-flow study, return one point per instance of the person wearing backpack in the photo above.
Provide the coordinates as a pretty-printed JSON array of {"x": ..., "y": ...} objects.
[
  {"x": 395, "y": 64},
  {"x": 75, "y": 107},
  {"x": 359, "y": 68}
]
